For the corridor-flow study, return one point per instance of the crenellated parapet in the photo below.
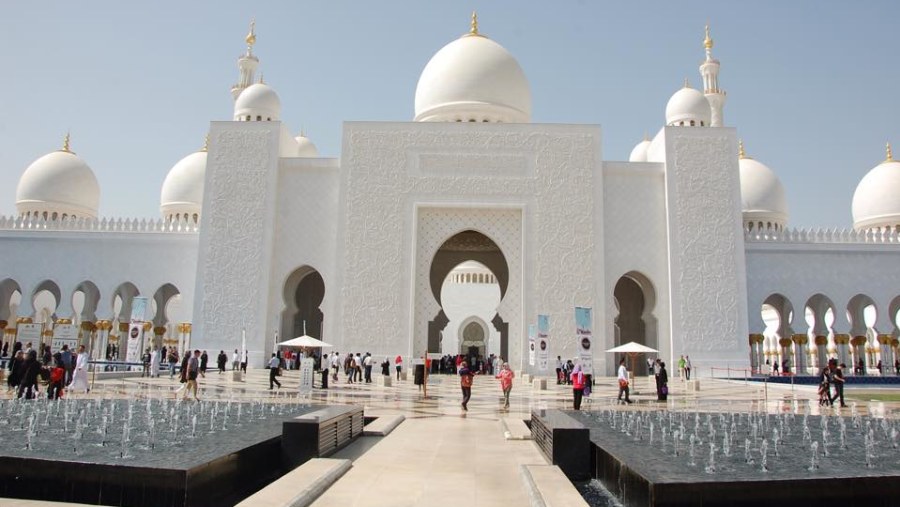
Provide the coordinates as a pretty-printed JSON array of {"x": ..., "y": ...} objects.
[
  {"x": 82, "y": 224},
  {"x": 823, "y": 236}
]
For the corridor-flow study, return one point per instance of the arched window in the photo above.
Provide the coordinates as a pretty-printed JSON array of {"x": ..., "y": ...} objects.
[
  {"x": 692, "y": 123},
  {"x": 259, "y": 118}
]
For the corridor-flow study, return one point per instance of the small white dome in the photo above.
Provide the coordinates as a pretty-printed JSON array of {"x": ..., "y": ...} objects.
[
  {"x": 876, "y": 203},
  {"x": 305, "y": 147},
  {"x": 59, "y": 183},
  {"x": 762, "y": 195},
  {"x": 639, "y": 153},
  {"x": 258, "y": 102},
  {"x": 687, "y": 105},
  {"x": 182, "y": 191},
  {"x": 473, "y": 79}
]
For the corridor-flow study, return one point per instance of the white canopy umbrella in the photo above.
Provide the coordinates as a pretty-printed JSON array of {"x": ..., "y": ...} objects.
[
  {"x": 632, "y": 349},
  {"x": 304, "y": 341}
]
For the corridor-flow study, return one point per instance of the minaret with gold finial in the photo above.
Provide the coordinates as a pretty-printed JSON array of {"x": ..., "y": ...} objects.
[
  {"x": 709, "y": 70},
  {"x": 247, "y": 63}
]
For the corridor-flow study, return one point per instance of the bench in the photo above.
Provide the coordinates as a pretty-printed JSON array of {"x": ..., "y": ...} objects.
[
  {"x": 301, "y": 486},
  {"x": 515, "y": 429},
  {"x": 385, "y": 380},
  {"x": 563, "y": 441},
  {"x": 319, "y": 434},
  {"x": 383, "y": 425},
  {"x": 548, "y": 486},
  {"x": 539, "y": 384}
]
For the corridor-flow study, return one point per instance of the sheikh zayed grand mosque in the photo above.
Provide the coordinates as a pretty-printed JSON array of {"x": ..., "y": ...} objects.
[{"x": 453, "y": 231}]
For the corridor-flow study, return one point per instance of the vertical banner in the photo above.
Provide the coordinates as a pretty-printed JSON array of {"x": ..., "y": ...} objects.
[
  {"x": 585, "y": 338},
  {"x": 136, "y": 329},
  {"x": 532, "y": 332},
  {"x": 306, "y": 375},
  {"x": 543, "y": 338},
  {"x": 64, "y": 334}
]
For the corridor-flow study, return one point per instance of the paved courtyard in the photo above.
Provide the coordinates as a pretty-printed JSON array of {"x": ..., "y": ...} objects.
[{"x": 442, "y": 455}]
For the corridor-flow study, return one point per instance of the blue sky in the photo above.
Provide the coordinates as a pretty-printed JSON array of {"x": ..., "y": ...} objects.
[{"x": 812, "y": 85}]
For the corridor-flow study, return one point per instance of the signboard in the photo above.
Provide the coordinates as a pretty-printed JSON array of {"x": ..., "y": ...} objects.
[
  {"x": 64, "y": 334},
  {"x": 307, "y": 366},
  {"x": 139, "y": 309},
  {"x": 532, "y": 332},
  {"x": 543, "y": 342},
  {"x": 26, "y": 333},
  {"x": 585, "y": 338}
]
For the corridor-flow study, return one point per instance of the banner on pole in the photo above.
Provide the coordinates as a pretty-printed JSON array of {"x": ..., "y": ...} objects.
[
  {"x": 135, "y": 342},
  {"x": 531, "y": 344},
  {"x": 543, "y": 339},
  {"x": 583, "y": 330},
  {"x": 306, "y": 375},
  {"x": 139, "y": 309},
  {"x": 64, "y": 334}
]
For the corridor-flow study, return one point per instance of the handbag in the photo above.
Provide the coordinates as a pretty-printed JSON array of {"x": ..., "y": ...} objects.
[
  {"x": 623, "y": 383},
  {"x": 587, "y": 389},
  {"x": 664, "y": 390}
]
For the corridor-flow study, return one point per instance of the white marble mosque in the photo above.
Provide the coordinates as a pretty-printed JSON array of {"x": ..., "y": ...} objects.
[{"x": 455, "y": 229}]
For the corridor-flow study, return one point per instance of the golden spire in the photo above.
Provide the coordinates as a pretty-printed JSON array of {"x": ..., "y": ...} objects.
[
  {"x": 473, "y": 27},
  {"x": 206, "y": 143},
  {"x": 741, "y": 153},
  {"x": 66, "y": 149},
  {"x": 888, "y": 158},
  {"x": 261, "y": 79},
  {"x": 251, "y": 36},
  {"x": 646, "y": 136},
  {"x": 687, "y": 84},
  {"x": 708, "y": 42}
]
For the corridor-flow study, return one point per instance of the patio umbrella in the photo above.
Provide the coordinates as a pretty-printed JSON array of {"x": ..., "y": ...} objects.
[
  {"x": 304, "y": 341},
  {"x": 632, "y": 349}
]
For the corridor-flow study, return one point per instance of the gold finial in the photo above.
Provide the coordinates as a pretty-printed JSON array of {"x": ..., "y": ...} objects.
[
  {"x": 251, "y": 36},
  {"x": 206, "y": 143},
  {"x": 708, "y": 42},
  {"x": 889, "y": 158},
  {"x": 261, "y": 81},
  {"x": 473, "y": 30},
  {"x": 66, "y": 149},
  {"x": 646, "y": 136},
  {"x": 687, "y": 84},
  {"x": 741, "y": 153}
]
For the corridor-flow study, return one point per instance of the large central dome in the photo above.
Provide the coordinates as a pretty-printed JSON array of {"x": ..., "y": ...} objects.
[{"x": 473, "y": 79}]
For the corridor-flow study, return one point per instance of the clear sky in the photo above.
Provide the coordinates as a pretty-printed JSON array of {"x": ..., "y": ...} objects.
[{"x": 813, "y": 85}]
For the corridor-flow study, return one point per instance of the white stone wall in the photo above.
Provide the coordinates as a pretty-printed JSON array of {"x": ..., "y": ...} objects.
[
  {"x": 462, "y": 302},
  {"x": 707, "y": 280},
  {"x": 635, "y": 241},
  {"x": 237, "y": 239},
  {"x": 391, "y": 170}
]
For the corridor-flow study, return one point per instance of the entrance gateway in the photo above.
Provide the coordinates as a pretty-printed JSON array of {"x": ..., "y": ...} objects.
[{"x": 447, "y": 236}]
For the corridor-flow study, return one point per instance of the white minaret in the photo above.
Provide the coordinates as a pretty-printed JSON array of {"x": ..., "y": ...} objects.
[
  {"x": 709, "y": 70},
  {"x": 247, "y": 64}
]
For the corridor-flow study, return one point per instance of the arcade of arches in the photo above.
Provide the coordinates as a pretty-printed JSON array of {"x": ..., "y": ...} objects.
[{"x": 851, "y": 334}]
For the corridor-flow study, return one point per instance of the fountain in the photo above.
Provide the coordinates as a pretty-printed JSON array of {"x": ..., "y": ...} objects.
[{"x": 133, "y": 450}]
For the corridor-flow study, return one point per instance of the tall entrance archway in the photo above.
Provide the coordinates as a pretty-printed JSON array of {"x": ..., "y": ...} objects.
[
  {"x": 497, "y": 232},
  {"x": 304, "y": 291},
  {"x": 635, "y": 299},
  {"x": 462, "y": 248}
]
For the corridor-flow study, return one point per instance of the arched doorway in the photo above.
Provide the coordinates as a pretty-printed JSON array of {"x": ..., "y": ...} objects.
[
  {"x": 635, "y": 299},
  {"x": 466, "y": 246},
  {"x": 304, "y": 291},
  {"x": 473, "y": 338}
]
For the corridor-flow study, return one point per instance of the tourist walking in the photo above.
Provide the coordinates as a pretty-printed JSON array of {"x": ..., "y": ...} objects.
[
  {"x": 235, "y": 361},
  {"x": 145, "y": 362},
  {"x": 274, "y": 366},
  {"x": 222, "y": 360},
  {"x": 16, "y": 368},
  {"x": 837, "y": 377},
  {"x": 57, "y": 378},
  {"x": 398, "y": 363},
  {"x": 506, "y": 377},
  {"x": 194, "y": 369},
  {"x": 623, "y": 381},
  {"x": 204, "y": 361},
  {"x": 367, "y": 363},
  {"x": 80, "y": 377},
  {"x": 386, "y": 367},
  {"x": 244, "y": 361},
  {"x": 576, "y": 378},
  {"x": 466, "y": 379},
  {"x": 662, "y": 382},
  {"x": 681, "y": 366},
  {"x": 173, "y": 360},
  {"x": 154, "y": 362},
  {"x": 687, "y": 367},
  {"x": 68, "y": 363},
  {"x": 28, "y": 384},
  {"x": 559, "y": 370},
  {"x": 825, "y": 382}
]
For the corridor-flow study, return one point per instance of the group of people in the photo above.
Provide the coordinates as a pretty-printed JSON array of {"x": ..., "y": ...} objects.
[
  {"x": 60, "y": 371},
  {"x": 831, "y": 378},
  {"x": 357, "y": 368}
]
